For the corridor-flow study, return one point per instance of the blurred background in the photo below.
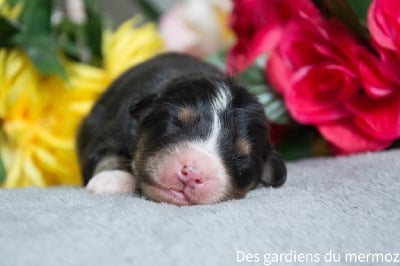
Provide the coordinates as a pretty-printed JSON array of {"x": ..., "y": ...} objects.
[
  {"x": 121, "y": 10},
  {"x": 58, "y": 56}
]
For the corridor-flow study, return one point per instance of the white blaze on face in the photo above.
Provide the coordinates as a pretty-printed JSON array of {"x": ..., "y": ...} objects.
[
  {"x": 219, "y": 104},
  {"x": 210, "y": 145}
]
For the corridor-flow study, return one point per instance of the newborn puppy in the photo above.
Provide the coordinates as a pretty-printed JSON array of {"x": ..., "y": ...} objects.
[{"x": 177, "y": 130}]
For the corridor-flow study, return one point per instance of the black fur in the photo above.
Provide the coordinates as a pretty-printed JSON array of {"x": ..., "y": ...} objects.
[{"x": 141, "y": 106}]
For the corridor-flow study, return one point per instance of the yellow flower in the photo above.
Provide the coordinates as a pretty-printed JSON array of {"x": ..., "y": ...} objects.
[
  {"x": 125, "y": 48},
  {"x": 8, "y": 12},
  {"x": 129, "y": 45},
  {"x": 39, "y": 115}
]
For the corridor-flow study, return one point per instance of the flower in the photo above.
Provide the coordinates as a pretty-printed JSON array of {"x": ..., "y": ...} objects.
[
  {"x": 319, "y": 75},
  {"x": 10, "y": 12},
  {"x": 259, "y": 26},
  {"x": 381, "y": 75},
  {"x": 202, "y": 27},
  {"x": 322, "y": 85},
  {"x": 76, "y": 11},
  {"x": 38, "y": 148},
  {"x": 378, "y": 109},
  {"x": 130, "y": 45},
  {"x": 39, "y": 115},
  {"x": 384, "y": 25},
  {"x": 325, "y": 75}
]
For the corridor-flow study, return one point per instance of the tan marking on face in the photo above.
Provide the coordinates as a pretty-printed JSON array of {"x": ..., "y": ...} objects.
[
  {"x": 235, "y": 192},
  {"x": 243, "y": 146},
  {"x": 187, "y": 115}
]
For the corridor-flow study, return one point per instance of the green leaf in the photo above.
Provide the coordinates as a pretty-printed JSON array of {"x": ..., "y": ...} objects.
[
  {"x": 12, "y": 3},
  {"x": 8, "y": 29},
  {"x": 36, "y": 37},
  {"x": 83, "y": 42},
  {"x": 71, "y": 50},
  {"x": 148, "y": 9},
  {"x": 301, "y": 142},
  {"x": 218, "y": 60},
  {"x": 93, "y": 30},
  {"x": 274, "y": 107},
  {"x": 36, "y": 16},
  {"x": 71, "y": 38},
  {"x": 2, "y": 171},
  {"x": 253, "y": 75},
  {"x": 295, "y": 148},
  {"x": 42, "y": 50},
  {"x": 361, "y": 8},
  {"x": 254, "y": 78}
]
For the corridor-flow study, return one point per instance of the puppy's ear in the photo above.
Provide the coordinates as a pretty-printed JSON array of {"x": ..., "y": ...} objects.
[
  {"x": 139, "y": 108},
  {"x": 274, "y": 173}
]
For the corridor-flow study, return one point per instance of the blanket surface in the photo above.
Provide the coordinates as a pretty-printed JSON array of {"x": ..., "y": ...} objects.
[{"x": 347, "y": 209}]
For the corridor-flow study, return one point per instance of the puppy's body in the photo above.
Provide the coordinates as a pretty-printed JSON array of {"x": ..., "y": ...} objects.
[{"x": 180, "y": 131}]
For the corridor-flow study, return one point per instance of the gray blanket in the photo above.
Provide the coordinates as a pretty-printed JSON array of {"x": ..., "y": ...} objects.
[{"x": 347, "y": 209}]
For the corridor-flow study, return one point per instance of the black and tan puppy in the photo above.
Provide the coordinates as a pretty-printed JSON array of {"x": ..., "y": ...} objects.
[{"x": 177, "y": 130}]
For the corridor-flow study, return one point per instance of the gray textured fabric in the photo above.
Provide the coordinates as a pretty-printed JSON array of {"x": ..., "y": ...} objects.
[{"x": 347, "y": 204}]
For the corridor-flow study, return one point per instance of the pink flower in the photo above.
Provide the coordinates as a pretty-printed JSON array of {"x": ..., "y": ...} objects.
[
  {"x": 326, "y": 76},
  {"x": 259, "y": 24},
  {"x": 378, "y": 110},
  {"x": 384, "y": 24},
  {"x": 317, "y": 67},
  {"x": 381, "y": 76},
  {"x": 320, "y": 76}
]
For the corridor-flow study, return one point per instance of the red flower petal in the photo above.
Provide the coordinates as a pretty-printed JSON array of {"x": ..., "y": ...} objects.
[
  {"x": 278, "y": 72},
  {"x": 318, "y": 92},
  {"x": 379, "y": 118},
  {"x": 377, "y": 27},
  {"x": 307, "y": 42},
  {"x": 258, "y": 25},
  {"x": 375, "y": 76},
  {"x": 246, "y": 51},
  {"x": 347, "y": 138},
  {"x": 383, "y": 23}
]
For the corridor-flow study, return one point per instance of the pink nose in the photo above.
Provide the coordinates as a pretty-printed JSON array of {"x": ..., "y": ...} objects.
[{"x": 191, "y": 176}]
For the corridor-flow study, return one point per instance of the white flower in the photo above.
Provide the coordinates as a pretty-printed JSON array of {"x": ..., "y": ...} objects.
[{"x": 197, "y": 27}]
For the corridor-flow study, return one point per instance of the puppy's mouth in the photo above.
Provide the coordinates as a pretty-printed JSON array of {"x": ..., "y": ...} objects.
[{"x": 165, "y": 194}]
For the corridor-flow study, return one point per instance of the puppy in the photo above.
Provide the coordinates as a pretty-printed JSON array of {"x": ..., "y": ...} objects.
[{"x": 177, "y": 130}]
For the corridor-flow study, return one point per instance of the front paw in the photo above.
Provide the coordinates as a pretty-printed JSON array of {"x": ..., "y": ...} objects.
[{"x": 112, "y": 182}]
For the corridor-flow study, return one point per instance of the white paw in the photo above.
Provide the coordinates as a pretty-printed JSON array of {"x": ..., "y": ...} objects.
[{"x": 112, "y": 182}]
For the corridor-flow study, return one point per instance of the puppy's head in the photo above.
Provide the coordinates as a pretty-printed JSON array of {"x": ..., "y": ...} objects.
[{"x": 203, "y": 140}]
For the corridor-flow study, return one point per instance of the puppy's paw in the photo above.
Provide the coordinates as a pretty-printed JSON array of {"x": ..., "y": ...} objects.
[{"x": 112, "y": 182}]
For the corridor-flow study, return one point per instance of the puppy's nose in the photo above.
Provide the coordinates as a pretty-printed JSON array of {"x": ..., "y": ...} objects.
[{"x": 191, "y": 176}]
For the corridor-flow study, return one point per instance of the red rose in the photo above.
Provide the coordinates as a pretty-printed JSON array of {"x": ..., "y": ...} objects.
[
  {"x": 320, "y": 75},
  {"x": 316, "y": 68},
  {"x": 326, "y": 77},
  {"x": 347, "y": 138},
  {"x": 382, "y": 76},
  {"x": 378, "y": 110},
  {"x": 384, "y": 25},
  {"x": 258, "y": 25}
]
